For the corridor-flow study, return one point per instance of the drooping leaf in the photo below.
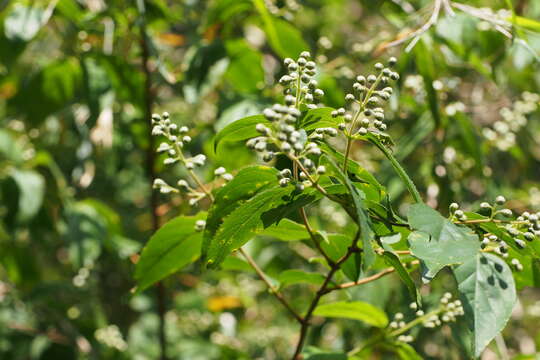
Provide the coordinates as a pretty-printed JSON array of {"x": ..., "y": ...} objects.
[
  {"x": 438, "y": 242},
  {"x": 240, "y": 130},
  {"x": 376, "y": 140},
  {"x": 291, "y": 277},
  {"x": 487, "y": 288},
  {"x": 393, "y": 260},
  {"x": 360, "y": 216},
  {"x": 175, "y": 245},
  {"x": 356, "y": 310}
]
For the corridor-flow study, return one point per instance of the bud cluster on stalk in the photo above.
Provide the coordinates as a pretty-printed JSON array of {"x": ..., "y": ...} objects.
[
  {"x": 369, "y": 95},
  {"x": 175, "y": 140},
  {"x": 281, "y": 136},
  {"x": 299, "y": 84},
  {"x": 447, "y": 311},
  {"x": 525, "y": 228}
]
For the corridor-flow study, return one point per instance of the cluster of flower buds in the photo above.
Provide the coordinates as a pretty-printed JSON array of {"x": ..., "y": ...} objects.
[
  {"x": 300, "y": 86},
  {"x": 280, "y": 135},
  {"x": 503, "y": 134},
  {"x": 369, "y": 93},
  {"x": 176, "y": 137},
  {"x": 456, "y": 212},
  {"x": 448, "y": 311},
  {"x": 222, "y": 173}
]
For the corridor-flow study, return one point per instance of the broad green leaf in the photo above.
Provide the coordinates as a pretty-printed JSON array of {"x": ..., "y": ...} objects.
[
  {"x": 286, "y": 230},
  {"x": 285, "y": 39},
  {"x": 487, "y": 286},
  {"x": 393, "y": 260},
  {"x": 438, "y": 242},
  {"x": 248, "y": 182},
  {"x": 245, "y": 72},
  {"x": 356, "y": 310},
  {"x": 244, "y": 222},
  {"x": 175, "y": 245},
  {"x": 319, "y": 118},
  {"x": 336, "y": 246},
  {"x": 235, "y": 263},
  {"x": 360, "y": 216},
  {"x": 31, "y": 192},
  {"x": 291, "y": 277},
  {"x": 240, "y": 130}
]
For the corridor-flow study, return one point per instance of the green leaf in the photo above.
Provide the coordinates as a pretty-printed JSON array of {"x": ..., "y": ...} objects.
[
  {"x": 393, "y": 260},
  {"x": 318, "y": 118},
  {"x": 248, "y": 182},
  {"x": 336, "y": 246},
  {"x": 245, "y": 72},
  {"x": 291, "y": 277},
  {"x": 283, "y": 37},
  {"x": 524, "y": 22},
  {"x": 175, "y": 245},
  {"x": 356, "y": 310},
  {"x": 489, "y": 294},
  {"x": 353, "y": 167},
  {"x": 31, "y": 192},
  {"x": 438, "y": 242},
  {"x": 286, "y": 230},
  {"x": 405, "y": 351},
  {"x": 376, "y": 140},
  {"x": 240, "y": 130},
  {"x": 244, "y": 222},
  {"x": 360, "y": 216}
]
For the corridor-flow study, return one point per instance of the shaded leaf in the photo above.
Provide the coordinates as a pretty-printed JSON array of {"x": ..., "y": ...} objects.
[
  {"x": 239, "y": 130},
  {"x": 438, "y": 242},
  {"x": 291, "y": 277},
  {"x": 356, "y": 310},
  {"x": 487, "y": 287}
]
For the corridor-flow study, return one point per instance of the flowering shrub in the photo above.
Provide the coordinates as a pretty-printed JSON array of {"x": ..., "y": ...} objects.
[{"x": 307, "y": 146}]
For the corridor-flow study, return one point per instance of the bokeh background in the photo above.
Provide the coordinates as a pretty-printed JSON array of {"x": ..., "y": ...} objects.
[{"x": 78, "y": 80}]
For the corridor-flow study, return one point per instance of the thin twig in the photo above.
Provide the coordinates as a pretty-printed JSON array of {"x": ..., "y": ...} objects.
[
  {"x": 316, "y": 241},
  {"x": 415, "y": 35},
  {"x": 320, "y": 293},
  {"x": 271, "y": 287}
]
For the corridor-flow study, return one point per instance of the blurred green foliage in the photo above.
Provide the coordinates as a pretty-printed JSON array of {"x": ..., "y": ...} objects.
[{"x": 75, "y": 195}]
